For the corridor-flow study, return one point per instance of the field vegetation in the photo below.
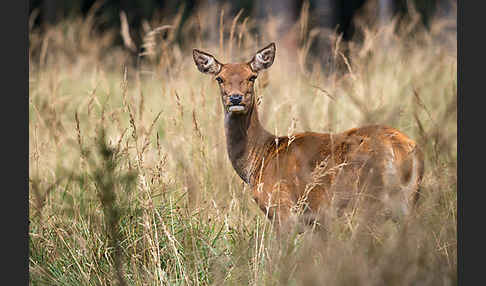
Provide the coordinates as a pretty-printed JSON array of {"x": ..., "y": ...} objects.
[{"x": 129, "y": 180}]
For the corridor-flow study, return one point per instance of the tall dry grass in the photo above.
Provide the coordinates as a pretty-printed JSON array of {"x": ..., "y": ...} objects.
[{"x": 129, "y": 178}]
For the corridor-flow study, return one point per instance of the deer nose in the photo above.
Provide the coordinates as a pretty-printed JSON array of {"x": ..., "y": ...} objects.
[{"x": 236, "y": 98}]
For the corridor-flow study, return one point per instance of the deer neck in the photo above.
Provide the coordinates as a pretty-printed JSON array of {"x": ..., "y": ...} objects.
[{"x": 246, "y": 140}]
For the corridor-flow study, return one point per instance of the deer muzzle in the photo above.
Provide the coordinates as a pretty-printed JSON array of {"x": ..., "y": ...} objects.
[{"x": 235, "y": 101}]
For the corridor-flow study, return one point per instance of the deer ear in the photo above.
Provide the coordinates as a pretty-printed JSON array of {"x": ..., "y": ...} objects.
[
  {"x": 263, "y": 59},
  {"x": 205, "y": 62}
]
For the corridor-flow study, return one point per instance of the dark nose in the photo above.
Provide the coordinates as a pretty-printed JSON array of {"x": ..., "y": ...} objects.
[{"x": 235, "y": 98}]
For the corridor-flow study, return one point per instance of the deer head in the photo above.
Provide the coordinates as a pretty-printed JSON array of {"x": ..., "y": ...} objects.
[{"x": 236, "y": 80}]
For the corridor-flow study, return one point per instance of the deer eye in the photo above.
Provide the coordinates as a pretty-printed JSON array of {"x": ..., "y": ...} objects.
[
  {"x": 252, "y": 78},
  {"x": 219, "y": 80}
]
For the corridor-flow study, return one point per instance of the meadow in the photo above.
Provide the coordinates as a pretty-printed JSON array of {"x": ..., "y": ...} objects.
[{"x": 129, "y": 180}]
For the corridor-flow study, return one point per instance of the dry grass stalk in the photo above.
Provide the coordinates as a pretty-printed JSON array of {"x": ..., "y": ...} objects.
[
  {"x": 149, "y": 41},
  {"x": 147, "y": 135},
  {"x": 232, "y": 32},
  {"x": 242, "y": 31},
  {"x": 221, "y": 32},
  {"x": 125, "y": 33}
]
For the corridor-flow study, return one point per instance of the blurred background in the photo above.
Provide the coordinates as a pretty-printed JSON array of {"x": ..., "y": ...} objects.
[
  {"x": 326, "y": 13},
  {"x": 327, "y": 16}
]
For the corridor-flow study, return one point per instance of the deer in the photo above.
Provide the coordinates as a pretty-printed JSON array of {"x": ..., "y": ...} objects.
[{"x": 302, "y": 175}]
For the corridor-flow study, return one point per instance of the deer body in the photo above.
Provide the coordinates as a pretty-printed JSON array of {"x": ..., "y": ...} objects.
[{"x": 309, "y": 170}]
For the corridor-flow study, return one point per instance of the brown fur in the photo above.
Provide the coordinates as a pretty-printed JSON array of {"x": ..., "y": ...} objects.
[{"x": 313, "y": 170}]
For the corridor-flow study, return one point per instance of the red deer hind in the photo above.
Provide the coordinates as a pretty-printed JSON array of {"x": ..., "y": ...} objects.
[{"x": 315, "y": 168}]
